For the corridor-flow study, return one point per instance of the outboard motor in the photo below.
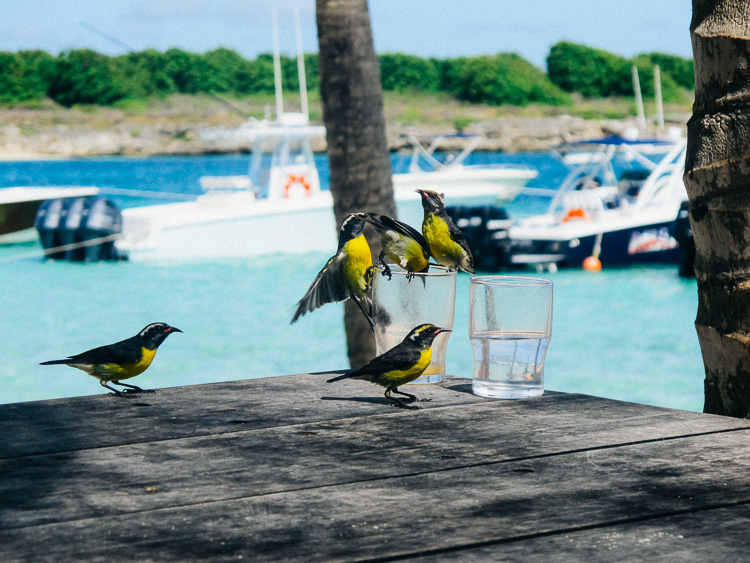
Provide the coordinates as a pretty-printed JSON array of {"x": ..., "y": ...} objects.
[
  {"x": 48, "y": 220},
  {"x": 103, "y": 220},
  {"x": 485, "y": 229},
  {"x": 76, "y": 221},
  {"x": 68, "y": 232}
]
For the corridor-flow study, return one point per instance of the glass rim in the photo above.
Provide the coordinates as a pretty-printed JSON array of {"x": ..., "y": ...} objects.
[
  {"x": 505, "y": 280},
  {"x": 397, "y": 270}
]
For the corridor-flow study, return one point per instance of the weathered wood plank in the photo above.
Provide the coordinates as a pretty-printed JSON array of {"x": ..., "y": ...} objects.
[
  {"x": 707, "y": 535},
  {"x": 106, "y": 420},
  {"x": 495, "y": 502}
]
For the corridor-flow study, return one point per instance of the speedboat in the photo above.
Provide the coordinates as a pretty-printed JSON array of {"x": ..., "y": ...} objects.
[
  {"x": 617, "y": 208},
  {"x": 452, "y": 177},
  {"x": 19, "y": 207}
]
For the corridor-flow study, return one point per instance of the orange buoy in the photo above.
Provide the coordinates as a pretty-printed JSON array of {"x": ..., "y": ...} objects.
[{"x": 592, "y": 264}]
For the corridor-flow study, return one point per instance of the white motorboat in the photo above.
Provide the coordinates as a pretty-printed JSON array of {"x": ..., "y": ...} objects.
[
  {"x": 452, "y": 177},
  {"x": 19, "y": 207},
  {"x": 619, "y": 208}
]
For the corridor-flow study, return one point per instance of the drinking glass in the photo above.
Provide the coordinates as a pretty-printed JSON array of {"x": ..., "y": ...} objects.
[
  {"x": 510, "y": 324},
  {"x": 404, "y": 302}
]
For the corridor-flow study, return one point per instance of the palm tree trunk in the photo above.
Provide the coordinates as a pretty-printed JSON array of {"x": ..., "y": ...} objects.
[
  {"x": 717, "y": 177},
  {"x": 357, "y": 148}
]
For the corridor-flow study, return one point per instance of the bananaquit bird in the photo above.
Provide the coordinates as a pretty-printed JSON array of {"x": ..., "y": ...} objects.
[
  {"x": 121, "y": 360},
  {"x": 347, "y": 274},
  {"x": 401, "y": 243},
  {"x": 447, "y": 244},
  {"x": 401, "y": 364}
]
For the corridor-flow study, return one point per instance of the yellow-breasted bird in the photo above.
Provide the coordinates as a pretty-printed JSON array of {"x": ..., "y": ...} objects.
[
  {"x": 347, "y": 274},
  {"x": 401, "y": 364},
  {"x": 121, "y": 360},
  {"x": 447, "y": 244},
  {"x": 401, "y": 243}
]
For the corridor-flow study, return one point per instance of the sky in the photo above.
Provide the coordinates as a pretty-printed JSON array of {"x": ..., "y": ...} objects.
[{"x": 426, "y": 28}]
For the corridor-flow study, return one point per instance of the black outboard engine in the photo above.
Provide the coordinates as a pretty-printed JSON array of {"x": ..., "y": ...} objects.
[
  {"x": 72, "y": 222},
  {"x": 485, "y": 229},
  {"x": 103, "y": 220},
  {"x": 48, "y": 220},
  {"x": 68, "y": 231}
]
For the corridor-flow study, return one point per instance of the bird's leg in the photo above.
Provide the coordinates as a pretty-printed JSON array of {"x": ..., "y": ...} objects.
[
  {"x": 369, "y": 273},
  {"x": 135, "y": 388},
  {"x": 412, "y": 398},
  {"x": 386, "y": 269},
  {"x": 367, "y": 315},
  {"x": 401, "y": 403},
  {"x": 115, "y": 391}
]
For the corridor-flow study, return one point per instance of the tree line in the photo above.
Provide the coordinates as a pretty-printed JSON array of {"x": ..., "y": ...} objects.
[{"x": 83, "y": 76}]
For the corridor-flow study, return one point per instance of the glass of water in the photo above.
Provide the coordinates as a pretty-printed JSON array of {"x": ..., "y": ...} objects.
[
  {"x": 404, "y": 302},
  {"x": 510, "y": 323}
]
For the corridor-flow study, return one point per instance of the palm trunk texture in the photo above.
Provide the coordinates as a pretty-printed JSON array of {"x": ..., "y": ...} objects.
[
  {"x": 357, "y": 147},
  {"x": 717, "y": 177}
]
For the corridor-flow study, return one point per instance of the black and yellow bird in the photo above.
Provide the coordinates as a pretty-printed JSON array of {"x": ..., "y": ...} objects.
[
  {"x": 447, "y": 244},
  {"x": 346, "y": 275},
  {"x": 121, "y": 360},
  {"x": 400, "y": 365},
  {"x": 401, "y": 243}
]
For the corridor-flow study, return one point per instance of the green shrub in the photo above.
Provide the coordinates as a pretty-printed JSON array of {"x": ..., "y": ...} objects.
[
  {"x": 83, "y": 76},
  {"x": 401, "y": 73},
  {"x": 506, "y": 78}
]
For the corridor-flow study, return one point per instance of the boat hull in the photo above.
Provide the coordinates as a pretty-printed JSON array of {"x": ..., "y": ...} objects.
[{"x": 642, "y": 244}]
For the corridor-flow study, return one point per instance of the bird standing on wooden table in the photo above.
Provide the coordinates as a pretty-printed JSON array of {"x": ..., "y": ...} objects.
[
  {"x": 400, "y": 365},
  {"x": 401, "y": 243},
  {"x": 121, "y": 360},
  {"x": 347, "y": 274},
  {"x": 447, "y": 244}
]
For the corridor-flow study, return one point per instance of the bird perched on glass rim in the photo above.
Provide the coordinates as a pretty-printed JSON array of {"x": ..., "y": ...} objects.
[
  {"x": 401, "y": 243},
  {"x": 447, "y": 244},
  {"x": 400, "y": 365},
  {"x": 121, "y": 360},
  {"x": 347, "y": 274}
]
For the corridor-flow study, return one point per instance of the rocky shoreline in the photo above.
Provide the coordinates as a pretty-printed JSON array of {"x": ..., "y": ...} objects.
[{"x": 30, "y": 139}]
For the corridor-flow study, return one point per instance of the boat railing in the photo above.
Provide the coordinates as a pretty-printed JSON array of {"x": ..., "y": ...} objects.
[
  {"x": 419, "y": 151},
  {"x": 598, "y": 171},
  {"x": 666, "y": 178}
]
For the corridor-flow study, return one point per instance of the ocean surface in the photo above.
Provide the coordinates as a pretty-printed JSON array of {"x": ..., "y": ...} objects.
[{"x": 626, "y": 334}]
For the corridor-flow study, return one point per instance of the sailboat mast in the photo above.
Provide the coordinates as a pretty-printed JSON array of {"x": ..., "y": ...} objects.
[
  {"x": 301, "y": 67},
  {"x": 659, "y": 102},
  {"x": 639, "y": 100},
  {"x": 277, "y": 64}
]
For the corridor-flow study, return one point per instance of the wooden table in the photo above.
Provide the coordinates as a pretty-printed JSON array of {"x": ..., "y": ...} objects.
[{"x": 291, "y": 468}]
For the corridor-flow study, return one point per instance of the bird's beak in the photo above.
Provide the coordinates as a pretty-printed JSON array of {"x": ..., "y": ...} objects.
[
  {"x": 173, "y": 329},
  {"x": 443, "y": 330}
]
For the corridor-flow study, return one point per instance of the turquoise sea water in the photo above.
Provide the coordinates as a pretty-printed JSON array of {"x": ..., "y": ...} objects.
[{"x": 626, "y": 334}]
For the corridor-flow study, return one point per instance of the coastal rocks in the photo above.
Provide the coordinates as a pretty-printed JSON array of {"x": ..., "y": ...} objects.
[{"x": 37, "y": 139}]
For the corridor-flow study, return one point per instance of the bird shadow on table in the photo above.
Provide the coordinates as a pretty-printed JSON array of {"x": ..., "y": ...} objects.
[{"x": 372, "y": 400}]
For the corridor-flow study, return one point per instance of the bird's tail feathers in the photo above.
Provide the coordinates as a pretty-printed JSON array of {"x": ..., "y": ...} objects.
[
  {"x": 55, "y": 362},
  {"x": 340, "y": 377}
]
